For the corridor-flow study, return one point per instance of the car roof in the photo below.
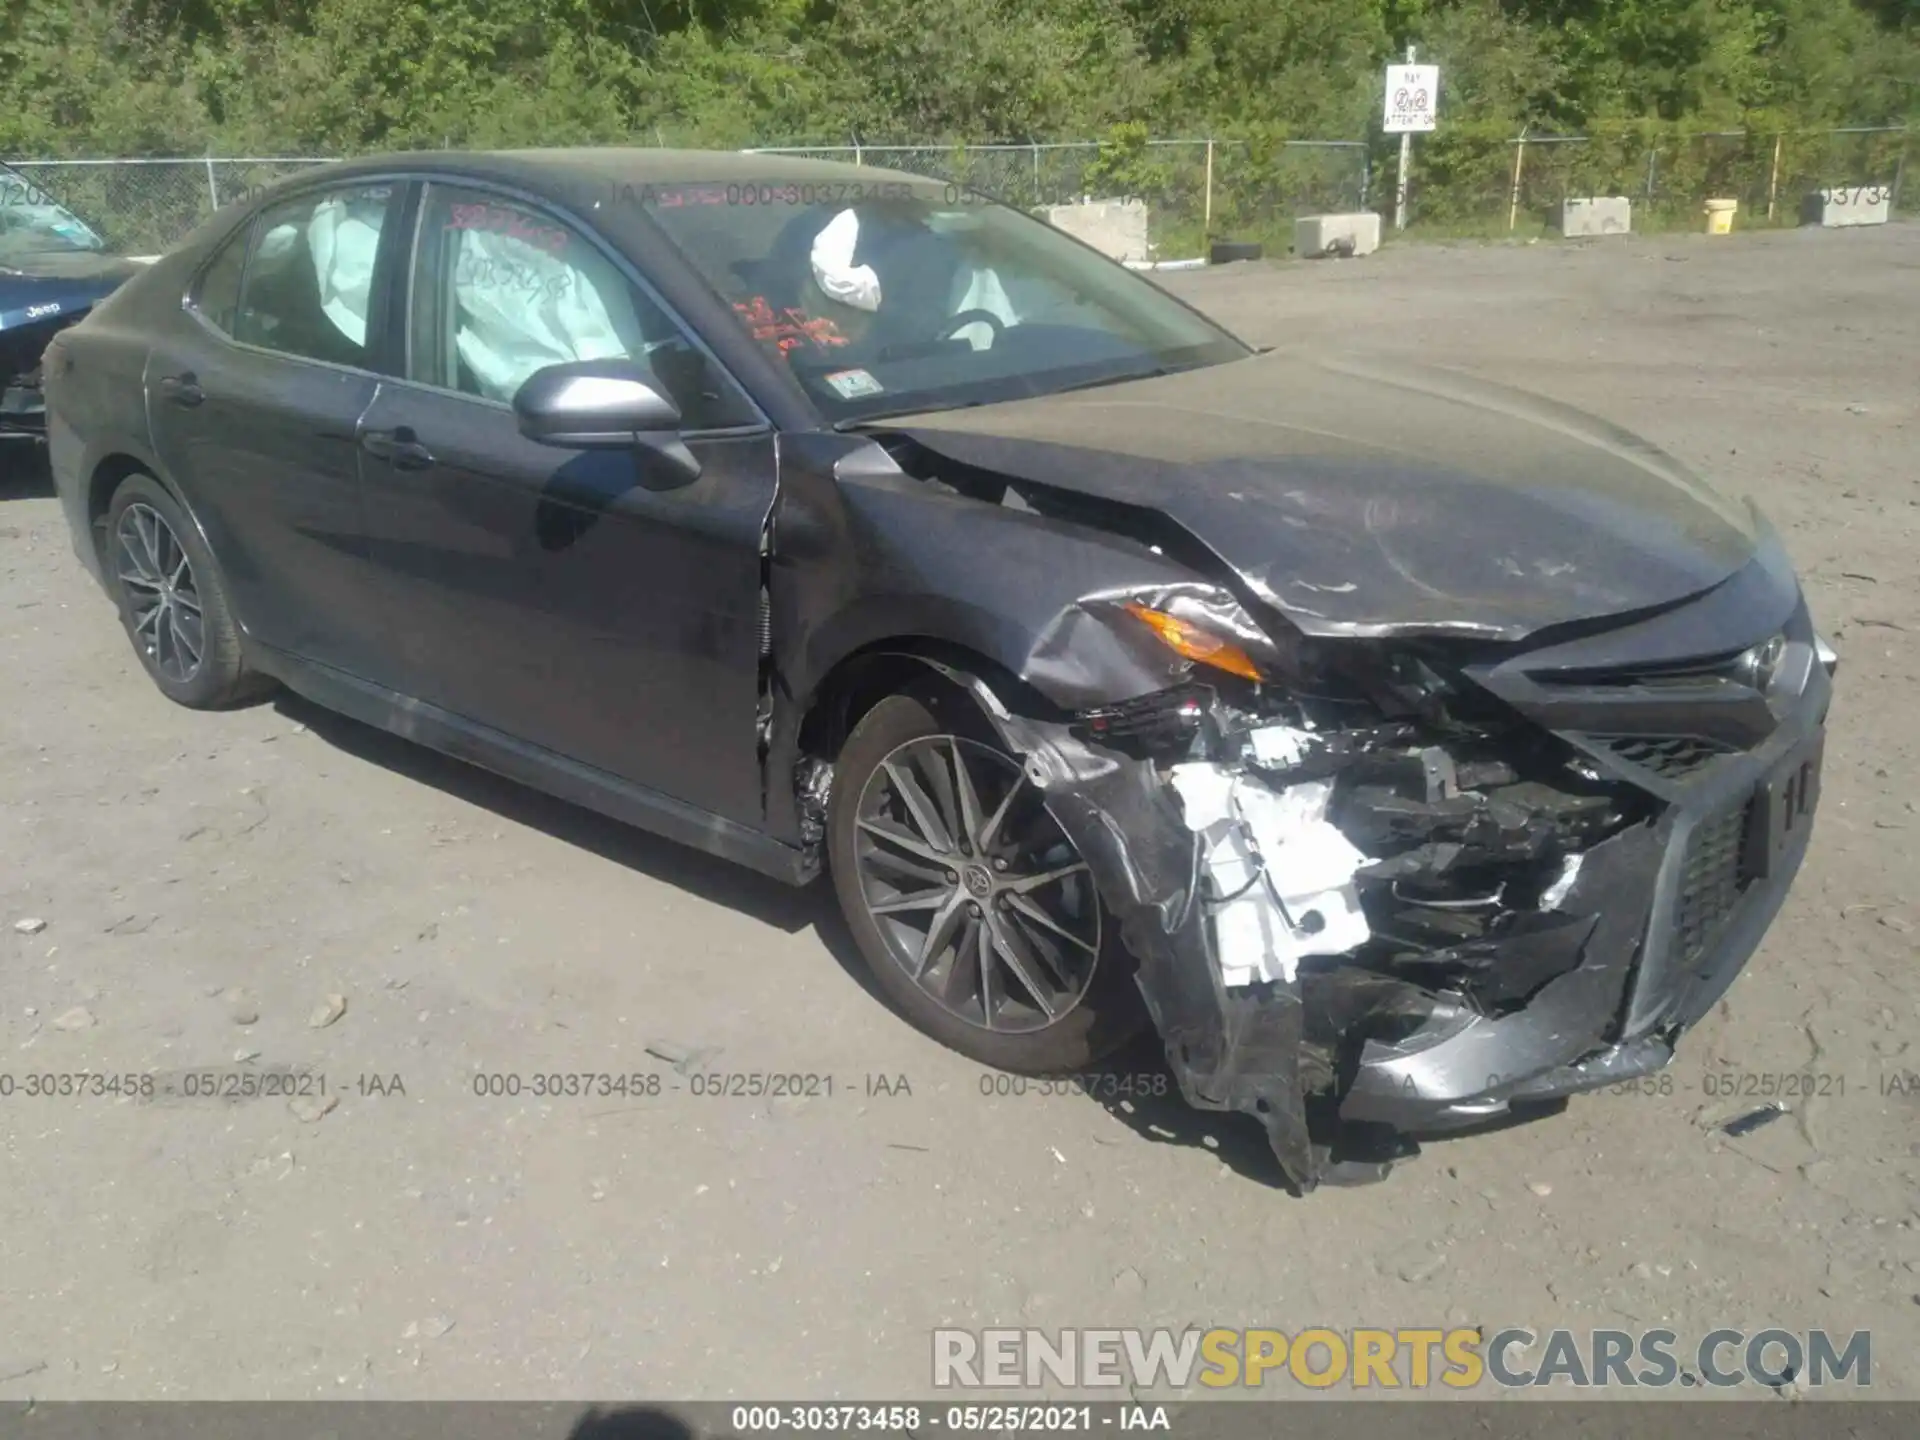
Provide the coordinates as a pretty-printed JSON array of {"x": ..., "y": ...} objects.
[{"x": 623, "y": 165}]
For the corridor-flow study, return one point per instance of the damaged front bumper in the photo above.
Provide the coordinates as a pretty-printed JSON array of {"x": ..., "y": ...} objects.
[
  {"x": 1354, "y": 965},
  {"x": 23, "y": 405},
  {"x": 23, "y": 401},
  {"x": 23, "y": 408},
  {"x": 1677, "y": 905}
]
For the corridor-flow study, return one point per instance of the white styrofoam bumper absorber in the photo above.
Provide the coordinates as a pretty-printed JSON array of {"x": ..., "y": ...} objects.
[{"x": 1287, "y": 870}]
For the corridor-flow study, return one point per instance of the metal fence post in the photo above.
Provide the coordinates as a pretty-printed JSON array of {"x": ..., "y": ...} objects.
[
  {"x": 1406, "y": 162},
  {"x": 1519, "y": 158},
  {"x": 1206, "y": 209},
  {"x": 1899, "y": 172},
  {"x": 213, "y": 186},
  {"x": 1773, "y": 181}
]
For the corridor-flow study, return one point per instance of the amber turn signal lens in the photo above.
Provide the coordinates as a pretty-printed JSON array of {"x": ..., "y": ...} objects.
[{"x": 1195, "y": 643}]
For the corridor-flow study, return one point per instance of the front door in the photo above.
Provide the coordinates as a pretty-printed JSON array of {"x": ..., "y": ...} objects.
[{"x": 587, "y": 601}]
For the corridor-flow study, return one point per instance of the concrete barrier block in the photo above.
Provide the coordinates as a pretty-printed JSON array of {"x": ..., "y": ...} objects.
[
  {"x": 1315, "y": 236},
  {"x": 1116, "y": 228},
  {"x": 1596, "y": 215},
  {"x": 1841, "y": 206}
]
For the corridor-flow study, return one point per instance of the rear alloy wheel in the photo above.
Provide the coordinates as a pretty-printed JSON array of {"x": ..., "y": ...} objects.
[
  {"x": 169, "y": 624},
  {"x": 172, "y": 601},
  {"x": 976, "y": 912}
]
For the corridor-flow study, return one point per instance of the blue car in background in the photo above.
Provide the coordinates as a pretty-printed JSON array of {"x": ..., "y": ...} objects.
[{"x": 54, "y": 268}]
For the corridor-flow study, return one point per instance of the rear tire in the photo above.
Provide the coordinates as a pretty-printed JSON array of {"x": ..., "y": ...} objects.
[
  {"x": 1041, "y": 934},
  {"x": 173, "y": 600}
]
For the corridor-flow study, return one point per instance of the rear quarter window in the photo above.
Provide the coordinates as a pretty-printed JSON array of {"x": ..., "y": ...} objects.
[{"x": 217, "y": 295}]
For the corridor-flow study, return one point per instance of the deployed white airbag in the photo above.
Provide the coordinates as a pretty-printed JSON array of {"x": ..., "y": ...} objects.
[
  {"x": 519, "y": 307},
  {"x": 1029, "y": 301},
  {"x": 975, "y": 287},
  {"x": 522, "y": 308},
  {"x": 344, "y": 246},
  {"x": 855, "y": 286}
]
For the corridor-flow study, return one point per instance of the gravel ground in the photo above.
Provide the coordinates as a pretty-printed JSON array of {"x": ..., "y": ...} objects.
[{"x": 279, "y": 888}]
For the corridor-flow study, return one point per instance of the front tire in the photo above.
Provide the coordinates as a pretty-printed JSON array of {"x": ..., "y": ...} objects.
[
  {"x": 173, "y": 601},
  {"x": 975, "y": 912}
]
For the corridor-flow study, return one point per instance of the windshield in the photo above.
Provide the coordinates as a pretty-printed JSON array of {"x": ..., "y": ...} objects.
[
  {"x": 893, "y": 296},
  {"x": 31, "y": 224}
]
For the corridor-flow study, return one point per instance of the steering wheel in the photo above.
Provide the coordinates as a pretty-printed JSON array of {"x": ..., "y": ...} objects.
[{"x": 966, "y": 318}]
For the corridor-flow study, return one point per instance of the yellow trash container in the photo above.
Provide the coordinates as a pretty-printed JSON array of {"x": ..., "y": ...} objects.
[{"x": 1720, "y": 216}]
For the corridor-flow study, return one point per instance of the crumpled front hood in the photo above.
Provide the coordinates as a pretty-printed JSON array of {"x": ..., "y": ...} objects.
[
  {"x": 41, "y": 286},
  {"x": 1369, "y": 498}
]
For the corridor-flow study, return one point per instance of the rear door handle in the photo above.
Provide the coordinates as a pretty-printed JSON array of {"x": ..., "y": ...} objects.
[
  {"x": 398, "y": 448},
  {"x": 183, "y": 390}
]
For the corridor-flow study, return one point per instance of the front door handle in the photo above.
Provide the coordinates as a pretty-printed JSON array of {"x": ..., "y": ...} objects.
[
  {"x": 183, "y": 389},
  {"x": 398, "y": 448}
]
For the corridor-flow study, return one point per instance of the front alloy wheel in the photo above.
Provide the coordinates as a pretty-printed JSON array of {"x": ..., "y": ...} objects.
[
  {"x": 971, "y": 905},
  {"x": 983, "y": 901}
]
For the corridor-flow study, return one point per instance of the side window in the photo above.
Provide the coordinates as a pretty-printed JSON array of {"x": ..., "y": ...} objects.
[
  {"x": 309, "y": 279},
  {"x": 217, "y": 297},
  {"x": 501, "y": 290}
]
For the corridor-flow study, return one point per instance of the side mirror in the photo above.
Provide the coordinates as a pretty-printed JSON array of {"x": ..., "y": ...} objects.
[{"x": 593, "y": 403}]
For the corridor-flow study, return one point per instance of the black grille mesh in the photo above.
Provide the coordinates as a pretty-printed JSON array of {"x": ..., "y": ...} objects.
[
  {"x": 1674, "y": 757},
  {"x": 1711, "y": 880}
]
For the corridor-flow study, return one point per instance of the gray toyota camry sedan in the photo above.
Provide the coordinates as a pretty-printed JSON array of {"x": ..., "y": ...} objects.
[{"x": 1407, "y": 751}]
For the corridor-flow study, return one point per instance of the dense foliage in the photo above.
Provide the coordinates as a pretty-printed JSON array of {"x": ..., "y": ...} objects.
[{"x": 126, "y": 77}]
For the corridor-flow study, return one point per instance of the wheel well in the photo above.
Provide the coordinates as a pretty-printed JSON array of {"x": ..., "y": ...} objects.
[
  {"x": 107, "y": 478},
  {"x": 886, "y": 667}
]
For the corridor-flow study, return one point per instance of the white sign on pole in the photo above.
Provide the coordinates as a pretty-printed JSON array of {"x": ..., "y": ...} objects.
[{"x": 1413, "y": 98}]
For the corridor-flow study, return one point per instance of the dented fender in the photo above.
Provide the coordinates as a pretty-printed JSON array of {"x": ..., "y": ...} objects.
[{"x": 860, "y": 554}]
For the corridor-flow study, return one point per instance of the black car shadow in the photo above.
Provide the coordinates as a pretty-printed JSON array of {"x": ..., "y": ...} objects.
[
  {"x": 631, "y": 1422},
  {"x": 23, "y": 471},
  {"x": 783, "y": 907},
  {"x": 1134, "y": 1086}
]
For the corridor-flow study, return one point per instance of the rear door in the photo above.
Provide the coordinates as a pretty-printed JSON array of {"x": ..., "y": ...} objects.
[
  {"x": 587, "y": 601},
  {"x": 255, "y": 403}
]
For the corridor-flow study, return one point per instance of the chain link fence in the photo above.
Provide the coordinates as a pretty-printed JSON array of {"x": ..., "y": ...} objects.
[
  {"x": 1464, "y": 178},
  {"x": 1192, "y": 188},
  {"x": 1474, "y": 179},
  {"x": 145, "y": 206}
]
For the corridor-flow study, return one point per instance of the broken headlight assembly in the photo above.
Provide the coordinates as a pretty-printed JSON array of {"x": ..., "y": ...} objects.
[
  {"x": 1231, "y": 670},
  {"x": 1213, "y": 644},
  {"x": 1196, "y": 642}
]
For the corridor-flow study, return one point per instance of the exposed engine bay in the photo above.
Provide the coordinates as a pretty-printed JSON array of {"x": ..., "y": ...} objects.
[{"x": 1410, "y": 855}]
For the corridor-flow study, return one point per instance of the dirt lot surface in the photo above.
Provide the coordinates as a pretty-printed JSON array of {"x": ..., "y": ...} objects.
[{"x": 207, "y": 883}]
